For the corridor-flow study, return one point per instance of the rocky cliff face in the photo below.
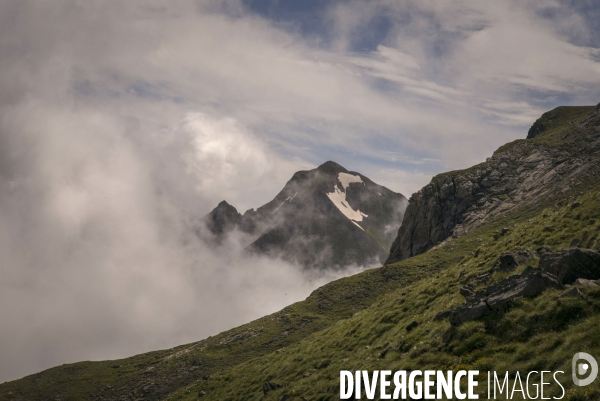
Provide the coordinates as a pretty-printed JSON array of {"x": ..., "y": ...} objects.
[
  {"x": 322, "y": 218},
  {"x": 562, "y": 151}
]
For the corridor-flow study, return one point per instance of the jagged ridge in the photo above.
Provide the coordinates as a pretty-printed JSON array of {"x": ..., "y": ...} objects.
[{"x": 303, "y": 225}]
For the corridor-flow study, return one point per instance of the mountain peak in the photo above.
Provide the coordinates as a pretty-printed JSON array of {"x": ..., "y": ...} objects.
[
  {"x": 326, "y": 217},
  {"x": 222, "y": 219},
  {"x": 331, "y": 167},
  {"x": 224, "y": 204}
]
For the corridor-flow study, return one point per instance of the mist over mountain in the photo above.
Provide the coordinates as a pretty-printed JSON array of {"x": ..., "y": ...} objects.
[
  {"x": 327, "y": 217},
  {"x": 504, "y": 276}
]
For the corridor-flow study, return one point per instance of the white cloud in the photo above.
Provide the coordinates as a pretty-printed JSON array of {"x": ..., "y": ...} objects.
[
  {"x": 99, "y": 259},
  {"x": 231, "y": 163}
]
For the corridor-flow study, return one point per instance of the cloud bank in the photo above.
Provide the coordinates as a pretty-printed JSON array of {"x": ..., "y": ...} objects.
[{"x": 99, "y": 255}]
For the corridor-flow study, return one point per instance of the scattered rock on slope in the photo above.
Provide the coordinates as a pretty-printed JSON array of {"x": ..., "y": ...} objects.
[
  {"x": 499, "y": 296},
  {"x": 508, "y": 262},
  {"x": 581, "y": 282},
  {"x": 576, "y": 266},
  {"x": 571, "y": 264}
]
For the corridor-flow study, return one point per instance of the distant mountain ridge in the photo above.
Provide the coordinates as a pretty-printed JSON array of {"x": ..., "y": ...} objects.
[{"x": 327, "y": 217}]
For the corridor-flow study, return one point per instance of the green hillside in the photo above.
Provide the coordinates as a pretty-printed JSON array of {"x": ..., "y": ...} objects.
[
  {"x": 536, "y": 334},
  {"x": 360, "y": 322}
]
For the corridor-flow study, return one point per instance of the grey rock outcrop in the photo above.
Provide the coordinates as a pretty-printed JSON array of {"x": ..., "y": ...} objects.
[
  {"x": 581, "y": 282},
  {"x": 499, "y": 296},
  {"x": 519, "y": 173},
  {"x": 508, "y": 262},
  {"x": 571, "y": 264},
  {"x": 467, "y": 292}
]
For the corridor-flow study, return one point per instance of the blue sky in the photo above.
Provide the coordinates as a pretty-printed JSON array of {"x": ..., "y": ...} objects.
[{"x": 310, "y": 18}]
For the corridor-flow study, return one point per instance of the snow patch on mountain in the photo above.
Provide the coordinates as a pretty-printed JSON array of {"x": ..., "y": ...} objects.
[
  {"x": 346, "y": 179},
  {"x": 338, "y": 198},
  {"x": 357, "y": 225}
]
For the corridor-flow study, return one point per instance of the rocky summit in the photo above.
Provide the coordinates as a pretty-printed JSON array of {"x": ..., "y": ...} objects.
[
  {"x": 328, "y": 217},
  {"x": 562, "y": 149}
]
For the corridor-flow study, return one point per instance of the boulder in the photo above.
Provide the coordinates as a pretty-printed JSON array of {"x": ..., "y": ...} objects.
[
  {"x": 466, "y": 292},
  {"x": 581, "y": 282},
  {"x": 508, "y": 262},
  {"x": 467, "y": 312},
  {"x": 499, "y": 296},
  {"x": 569, "y": 264},
  {"x": 530, "y": 283},
  {"x": 543, "y": 250}
]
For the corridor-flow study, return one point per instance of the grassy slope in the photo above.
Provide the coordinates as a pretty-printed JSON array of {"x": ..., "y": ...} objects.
[
  {"x": 359, "y": 322},
  {"x": 537, "y": 334}
]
